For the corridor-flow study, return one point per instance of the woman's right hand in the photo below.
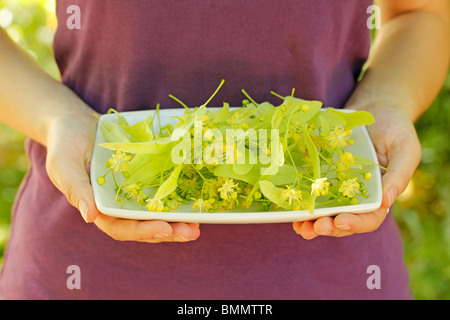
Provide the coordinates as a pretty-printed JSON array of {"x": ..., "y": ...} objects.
[{"x": 70, "y": 142}]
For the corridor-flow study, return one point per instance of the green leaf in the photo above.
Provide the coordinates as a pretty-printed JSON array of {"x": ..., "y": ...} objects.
[
  {"x": 277, "y": 117},
  {"x": 334, "y": 118},
  {"x": 293, "y": 103},
  {"x": 112, "y": 132},
  {"x": 226, "y": 171},
  {"x": 146, "y": 167},
  {"x": 357, "y": 119},
  {"x": 286, "y": 175},
  {"x": 170, "y": 184},
  {"x": 141, "y": 131},
  {"x": 121, "y": 121},
  {"x": 152, "y": 147},
  {"x": 328, "y": 119},
  {"x": 187, "y": 120},
  {"x": 242, "y": 169},
  {"x": 223, "y": 114},
  {"x": 272, "y": 192},
  {"x": 263, "y": 109}
]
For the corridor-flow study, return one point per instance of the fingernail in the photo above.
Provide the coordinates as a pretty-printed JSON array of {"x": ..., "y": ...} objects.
[
  {"x": 344, "y": 227},
  {"x": 324, "y": 233},
  {"x": 83, "y": 207},
  {"x": 180, "y": 239},
  {"x": 392, "y": 194},
  {"x": 160, "y": 235}
]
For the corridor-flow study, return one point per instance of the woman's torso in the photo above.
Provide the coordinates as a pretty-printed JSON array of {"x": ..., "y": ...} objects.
[{"x": 131, "y": 55}]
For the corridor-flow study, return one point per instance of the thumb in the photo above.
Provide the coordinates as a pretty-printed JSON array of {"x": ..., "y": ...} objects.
[
  {"x": 70, "y": 175},
  {"x": 403, "y": 159}
]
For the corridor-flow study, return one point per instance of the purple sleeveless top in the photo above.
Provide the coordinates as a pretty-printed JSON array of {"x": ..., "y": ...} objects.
[{"x": 130, "y": 55}]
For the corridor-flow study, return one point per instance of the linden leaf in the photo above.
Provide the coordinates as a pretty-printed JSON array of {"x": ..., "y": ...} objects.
[
  {"x": 170, "y": 184},
  {"x": 140, "y": 132},
  {"x": 146, "y": 167},
  {"x": 271, "y": 192},
  {"x": 112, "y": 133},
  {"x": 357, "y": 119},
  {"x": 152, "y": 147}
]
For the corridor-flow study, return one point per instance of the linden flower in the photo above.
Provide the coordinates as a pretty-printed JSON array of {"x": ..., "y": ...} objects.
[
  {"x": 188, "y": 171},
  {"x": 119, "y": 161},
  {"x": 239, "y": 121},
  {"x": 135, "y": 191},
  {"x": 201, "y": 205},
  {"x": 349, "y": 187},
  {"x": 230, "y": 204},
  {"x": 204, "y": 118},
  {"x": 247, "y": 202},
  {"x": 155, "y": 205},
  {"x": 291, "y": 195},
  {"x": 338, "y": 137},
  {"x": 189, "y": 187},
  {"x": 320, "y": 186},
  {"x": 347, "y": 158},
  {"x": 228, "y": 190}
]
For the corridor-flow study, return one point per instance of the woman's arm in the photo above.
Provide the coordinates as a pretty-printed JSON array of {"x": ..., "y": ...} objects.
[
  {"x": 405, "y": 71},
  {"x": 30, "y": 98},
  {"x": 37, "y": 105},
  {"x": 409, "y": 59}
]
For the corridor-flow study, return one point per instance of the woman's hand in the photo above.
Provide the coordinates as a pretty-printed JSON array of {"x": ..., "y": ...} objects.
[
  {"x": 69, "y": 148},
  {"x": 398, "y": 149}
]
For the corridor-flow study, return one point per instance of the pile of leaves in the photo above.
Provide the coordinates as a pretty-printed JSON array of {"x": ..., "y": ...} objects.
[{"x": 286, "y": 157}]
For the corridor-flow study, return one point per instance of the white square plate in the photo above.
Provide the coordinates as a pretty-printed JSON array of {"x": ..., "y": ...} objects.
[{"x": 105, "y": 195}]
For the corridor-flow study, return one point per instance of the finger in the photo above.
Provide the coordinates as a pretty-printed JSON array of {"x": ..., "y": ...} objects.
[
  {"x": 134, "y": 230},
  {"x": 324, "y": 226},
  {"x": 403, "y": 160},
  {"x": 185, "y": 231},
  {"x": 362, "y": 222},
  {"x": 305, "y": 229},
  {"x": 70, "y": 176},
  {"x": 296, "y": 226},
  {"x": 153, "y": 231}
]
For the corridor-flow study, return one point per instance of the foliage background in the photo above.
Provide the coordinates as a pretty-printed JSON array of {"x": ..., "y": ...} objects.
[{"x": 422, "y": 211}]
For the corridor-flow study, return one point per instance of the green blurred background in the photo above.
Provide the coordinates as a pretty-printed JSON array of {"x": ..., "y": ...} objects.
[{"x": 422, "y": 211}]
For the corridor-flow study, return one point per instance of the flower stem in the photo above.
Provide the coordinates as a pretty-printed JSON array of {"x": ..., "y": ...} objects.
[{"x": 179, "y": 101}]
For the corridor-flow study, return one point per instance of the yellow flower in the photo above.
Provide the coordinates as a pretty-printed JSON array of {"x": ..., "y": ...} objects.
[
  {"x": 228, "y": 190},
  {"x": 204, "y": 118},
  {"x": 349, "y": 187},
  {"x": 188, "y": 171},
  {"x": 201, "y": 205},
  {"x": 119, "y": 161},
  {"x": 238, "y": 121},
  {"x": 155, "y": 205},
  {"x": 347, "y": 158},
  {"x": 230, "y": 204},
  {"x": 291, "y": 195},
  {"x": 320, "y": 187},
  {"x": 338, "y": 137},
  {"x": 136, "y": 191},
  {"x": 247, "y": 202},
  {"x": 173, "y": 204}
]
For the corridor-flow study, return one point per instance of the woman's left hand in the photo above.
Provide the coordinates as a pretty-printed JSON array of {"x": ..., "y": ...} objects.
[{"x": 398, "y": 148}]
